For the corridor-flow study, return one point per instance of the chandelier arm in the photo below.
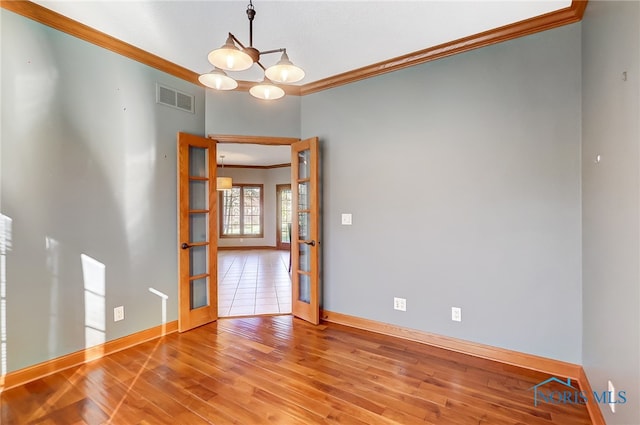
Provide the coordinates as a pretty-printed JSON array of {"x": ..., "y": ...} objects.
[
  {"x": 252, "y": 52},
  {"x": 260, "y": 65},
  {"x": 237, "y": 41},
  {"x": 266, "y": 52}
]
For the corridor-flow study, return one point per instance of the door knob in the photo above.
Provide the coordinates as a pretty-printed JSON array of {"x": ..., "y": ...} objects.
[
  {"x": 185, "y": 246},
  {"x": 312, "y": 243}
]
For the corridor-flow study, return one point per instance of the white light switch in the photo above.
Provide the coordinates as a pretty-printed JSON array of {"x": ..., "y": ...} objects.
[{"x": 346, "y": 219}]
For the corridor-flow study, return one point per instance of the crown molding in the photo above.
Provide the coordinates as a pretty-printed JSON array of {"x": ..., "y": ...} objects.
[
  {"x": 533, "y": 25},
  {"x": 60, "y": 22},
  {"x": 540, "y": 23},
  {"x": 256, "y": 140}
]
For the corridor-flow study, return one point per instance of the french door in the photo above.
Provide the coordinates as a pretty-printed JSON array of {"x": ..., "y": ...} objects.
[
  {"x": 305, "y": 229},
  {"x": 197, "y": 232}
]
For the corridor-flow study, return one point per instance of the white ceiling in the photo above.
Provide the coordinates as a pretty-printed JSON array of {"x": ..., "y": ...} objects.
[
  {"x": 325, "y": 38},
  {"x": 250, "y": 154}
]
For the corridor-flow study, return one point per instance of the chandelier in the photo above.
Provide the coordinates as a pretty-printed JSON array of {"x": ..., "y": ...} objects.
[{"x": 231, "y": 58}]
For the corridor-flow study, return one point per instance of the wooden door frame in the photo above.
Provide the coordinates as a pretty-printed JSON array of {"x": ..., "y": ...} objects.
[
  {"x": 256, "y": 140},
  {"x": 266, "y": 140}
]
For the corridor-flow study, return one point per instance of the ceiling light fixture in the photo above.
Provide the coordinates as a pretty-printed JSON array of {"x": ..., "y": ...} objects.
[
  {"x": 223, "y": 183},
  {"x": 231, "y": 58},
  {"x": 218, "y": 79}
]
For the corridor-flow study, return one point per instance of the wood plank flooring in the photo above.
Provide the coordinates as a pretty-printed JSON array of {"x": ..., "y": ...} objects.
[{"x": 280, "y": 370}]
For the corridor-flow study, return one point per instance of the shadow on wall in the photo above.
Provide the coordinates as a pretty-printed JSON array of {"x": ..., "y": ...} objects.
[{"x": 69, "y": 250}]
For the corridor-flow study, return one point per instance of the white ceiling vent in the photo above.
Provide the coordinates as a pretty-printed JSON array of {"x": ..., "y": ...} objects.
[{"x": 174, "y": 98}]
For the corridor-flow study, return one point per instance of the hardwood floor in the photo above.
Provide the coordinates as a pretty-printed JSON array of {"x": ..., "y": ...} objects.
[{"x": 280, "y": 370}]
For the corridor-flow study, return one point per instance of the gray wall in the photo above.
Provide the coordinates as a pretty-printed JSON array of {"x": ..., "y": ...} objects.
[
  {"x": 463, "y": 178},
  {"x": 611, "y": 204},
  {"x": 269, "y": 178},
  {"x": 240, "y": 113},
  {"x": 88, "y": 168}
]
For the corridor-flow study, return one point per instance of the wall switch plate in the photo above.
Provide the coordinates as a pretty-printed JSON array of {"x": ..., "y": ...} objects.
[
  {"x": 400, "y": 304},
  {"x": 118, "y": 314},
  {"x": 456, "y": 314},
  {"x": 346, "y": 219}
]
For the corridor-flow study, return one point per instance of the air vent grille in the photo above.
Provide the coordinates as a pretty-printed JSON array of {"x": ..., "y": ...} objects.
[
  {"x": 176, "y": 99},
  {"x": 184, "y": 101}
]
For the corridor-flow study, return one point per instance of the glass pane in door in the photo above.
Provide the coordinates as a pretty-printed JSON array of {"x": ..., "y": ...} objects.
[
  {"x": 304, "y": 230},
  {"x": 199, "y": 292},
  {"x": 305, "y": 289},
  {"x": 198, "y": 260},
  {"x": 304, "y": 164},
  {"x": 198, "y": 227},
  {"x": 305, "y": 257},
  {"x": 303, "y": 226},
  {"x": 303, "y": 196},
  {"x": 197, "y": 162},
  {"x": 198, "y": 199}
]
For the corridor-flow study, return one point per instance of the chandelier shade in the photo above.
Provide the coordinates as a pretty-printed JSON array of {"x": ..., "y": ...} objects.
[
  {"x": 266, "y": 90},
  {"x": 224, "y": 183},
  {"x": 229, "y": 57},
  {"x": 284, "y": 71},
  {"x": 218, "y": 79},
  {"x": 234, "y": 56}
]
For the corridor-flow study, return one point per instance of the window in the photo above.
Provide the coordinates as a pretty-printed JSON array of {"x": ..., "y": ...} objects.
[
  {"x": 283, "y": 205},
  {"x": 241, "y": 211}
]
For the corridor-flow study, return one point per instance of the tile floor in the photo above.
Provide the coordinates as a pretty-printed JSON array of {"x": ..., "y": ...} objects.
[{"x": 253, "y": 282}]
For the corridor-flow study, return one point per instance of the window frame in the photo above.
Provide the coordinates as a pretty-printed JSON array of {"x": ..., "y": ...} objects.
[{"x": 242, "y": 187}]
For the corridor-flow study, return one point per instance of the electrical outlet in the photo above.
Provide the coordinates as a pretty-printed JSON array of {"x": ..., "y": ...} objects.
[
  {"x": 456, "y": 314},
  {"x": 118, "y": 313},
  {"x": 347, "y": 219},
  {"x": 400, "y": 304},
  {"x": 612, "y": 397}
]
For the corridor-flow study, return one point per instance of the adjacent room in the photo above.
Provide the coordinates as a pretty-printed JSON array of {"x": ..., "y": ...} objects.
[
  {"x": 396, "y": 213},
  {"x": 254, "y": 230}
]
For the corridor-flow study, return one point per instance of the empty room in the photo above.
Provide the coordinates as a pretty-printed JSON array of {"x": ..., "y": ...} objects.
[{"x": 354, "y": 212}]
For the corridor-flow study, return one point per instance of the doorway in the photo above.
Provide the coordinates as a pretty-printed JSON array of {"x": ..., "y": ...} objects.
[
  {"x": 304, "y": 261},
  {"x": 254, "y": 225}
]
